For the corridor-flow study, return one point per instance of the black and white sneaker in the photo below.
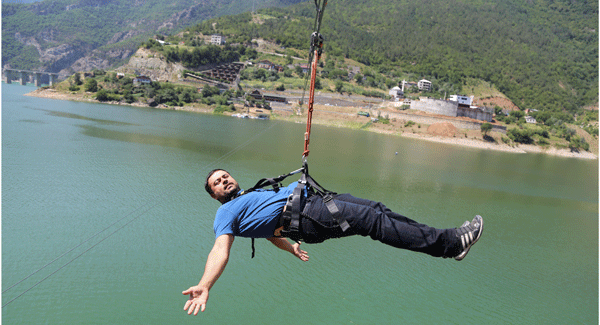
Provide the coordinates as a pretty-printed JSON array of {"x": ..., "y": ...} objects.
[{"x": 469, "y": 234}]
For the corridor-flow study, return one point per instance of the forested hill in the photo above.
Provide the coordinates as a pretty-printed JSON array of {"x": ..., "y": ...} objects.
[
  {"x": 76, "y": 35},
  {"x": 543, "y": 54}
]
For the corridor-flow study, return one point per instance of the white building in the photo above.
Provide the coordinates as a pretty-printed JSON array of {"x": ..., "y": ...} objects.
[
  {"x": 424, "y": 84},
  {"x": 139, "y": 80},
  {"x": 530, "y": 119},
  {"x": 461, "y": 99},
  {"x": 217, "y": 39},
  {"x": 396, "y": 93}
]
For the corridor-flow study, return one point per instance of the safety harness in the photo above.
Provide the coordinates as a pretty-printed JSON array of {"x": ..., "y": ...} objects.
[
  {"x": 290, "y": 218},
  {"x": 307, "y": 187}
]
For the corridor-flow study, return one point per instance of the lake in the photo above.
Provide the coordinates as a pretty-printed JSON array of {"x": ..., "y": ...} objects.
[{"x": 105, "y": 221}]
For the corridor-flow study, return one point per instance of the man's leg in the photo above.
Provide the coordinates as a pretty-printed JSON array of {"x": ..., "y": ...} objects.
[
  {"x": 369, "y": 218},
  {"x": 377, "y": 206}
]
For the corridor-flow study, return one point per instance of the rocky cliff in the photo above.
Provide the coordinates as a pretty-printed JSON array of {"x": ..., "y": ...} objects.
[
  {"x": 153, "y": 65},
  {"x": 81, "y": 35}
]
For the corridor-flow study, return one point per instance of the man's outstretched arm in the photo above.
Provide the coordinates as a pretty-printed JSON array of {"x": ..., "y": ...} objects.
[
  {"x": 215, "y": 264},
  {"x": 284, "y": 244}
]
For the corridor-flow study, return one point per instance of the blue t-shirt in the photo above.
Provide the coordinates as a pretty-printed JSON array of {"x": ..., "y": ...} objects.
[{"x": 253, "y": 215}]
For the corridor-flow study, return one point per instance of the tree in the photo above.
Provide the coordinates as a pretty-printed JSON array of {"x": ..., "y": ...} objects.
[
  {"x": 186, "y": 97},
  {"x": 102, "y": 95},
  {"x": 259, "y": 74},
  {"x": 77, "y": 79},
  {"x": 128, "y": 97},
  {"x": 318, "y": 84},
  {"x": 91, "y": 85},
  {"x": 209, "y": 91},
  {"x": 485, "y": 128},
  {"x": 520, "y": 135},
  {"x": 339, "y": 85}
]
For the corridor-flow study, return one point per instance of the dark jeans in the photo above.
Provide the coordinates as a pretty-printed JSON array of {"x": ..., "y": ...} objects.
[{"x": 369, "y": 218}]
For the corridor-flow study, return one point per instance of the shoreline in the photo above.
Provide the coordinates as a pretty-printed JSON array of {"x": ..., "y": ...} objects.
[{"x": 340, "y": 122}]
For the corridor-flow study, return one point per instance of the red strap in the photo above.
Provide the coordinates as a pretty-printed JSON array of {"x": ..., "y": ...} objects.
[{"x": 311, "y": 100}]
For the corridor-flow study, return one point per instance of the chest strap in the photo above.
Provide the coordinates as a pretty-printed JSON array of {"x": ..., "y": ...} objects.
[{"x": 274, "y": 182}]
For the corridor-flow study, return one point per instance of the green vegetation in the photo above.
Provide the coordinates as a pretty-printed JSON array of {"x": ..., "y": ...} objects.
[
  {"x": 198, "y": 54},
  {"x": 110, "y": 87},
  {"x": 485, "y": 128},
  {"x": 82, "y": 26},
  {"x": 542, "y": 55}
]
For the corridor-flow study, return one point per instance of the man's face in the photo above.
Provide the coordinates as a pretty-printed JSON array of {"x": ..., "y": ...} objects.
[{"x": 223, "y": 186}]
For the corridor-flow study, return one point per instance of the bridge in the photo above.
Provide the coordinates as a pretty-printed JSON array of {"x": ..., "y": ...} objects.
[{"x": 23, "y": 76}]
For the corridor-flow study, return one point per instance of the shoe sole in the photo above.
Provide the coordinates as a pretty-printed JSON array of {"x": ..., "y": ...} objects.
[{"x": 464, "y": 254}]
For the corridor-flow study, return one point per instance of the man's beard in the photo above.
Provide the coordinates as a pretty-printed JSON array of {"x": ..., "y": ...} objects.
[{"x": 231, "y": 195}]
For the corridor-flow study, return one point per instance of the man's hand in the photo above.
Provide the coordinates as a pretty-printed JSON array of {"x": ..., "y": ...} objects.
[
  {"x": 197, "y": 301},
  {"x": 284, "y": 244},
  {"x": 215, "y": 264},
  {"x": 303, "y": 255}
]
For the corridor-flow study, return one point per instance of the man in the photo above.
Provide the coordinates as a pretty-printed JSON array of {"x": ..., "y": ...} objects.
[{"x": 258, "y": 214}]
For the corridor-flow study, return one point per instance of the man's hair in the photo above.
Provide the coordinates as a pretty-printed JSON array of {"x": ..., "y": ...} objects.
[{"x": 206, "y": 185}]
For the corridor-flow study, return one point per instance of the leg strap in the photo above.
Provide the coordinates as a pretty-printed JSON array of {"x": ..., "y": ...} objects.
[
  {"x": 335, "y": 212},
  {"x": 295, "y": 203}
]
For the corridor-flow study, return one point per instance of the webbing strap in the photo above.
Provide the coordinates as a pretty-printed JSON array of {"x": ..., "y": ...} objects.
[
  {"x": 311, "y": 101},
  {"x": 271, "y": 181},
  {"x": 294, "y": 205},
  {"x": 335, "y": 212},
  {"x": 264, "y": 182}
]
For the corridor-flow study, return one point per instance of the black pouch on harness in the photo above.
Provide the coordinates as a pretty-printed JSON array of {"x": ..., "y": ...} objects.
[{"x": 292, "y": 217}]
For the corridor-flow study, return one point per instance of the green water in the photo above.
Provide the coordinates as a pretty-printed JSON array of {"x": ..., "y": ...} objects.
[{"x": 105, "y": 221}]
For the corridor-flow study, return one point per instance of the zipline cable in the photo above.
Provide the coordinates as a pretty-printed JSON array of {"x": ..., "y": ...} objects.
[
  {"x": 157, "y": 199},
  {"x": 85, "y": 251}
]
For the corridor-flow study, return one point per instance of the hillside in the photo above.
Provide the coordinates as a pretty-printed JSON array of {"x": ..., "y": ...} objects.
[
  {"x": 541, "y": 54},
  {"x": 79, "y": 35}
]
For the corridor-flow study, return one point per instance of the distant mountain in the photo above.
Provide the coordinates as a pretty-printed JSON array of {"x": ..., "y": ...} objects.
[
  {"x": 73, "y": 35},
  {"x": 543, "y": 54}
]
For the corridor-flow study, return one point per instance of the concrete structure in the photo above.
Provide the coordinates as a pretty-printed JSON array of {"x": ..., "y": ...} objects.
[
  {"x": 465, "y": 108},
  {"x": 461, "y": 99},
  {"x": 265, "y": 64},
  {"x": 305, "y": 68},
  {"x": 474, "y": 112},
  {"x": 23, "y": 76},
  {"x": 435, "y": 106},
  {"x": 396, "y": 93},
  {"x": 452, "y": 108},
  {"x": 530, "y": 119},
  {"x": 228, "y": 71},
  {"x": 217, "y": 39},
  {"x": 271, "y": 98},
  {"x": 424, "y": 84},
  {"x": 268, "y": 65},
  {"x": 139, "y": 80},
  {"x": 461, "y": 124}
]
